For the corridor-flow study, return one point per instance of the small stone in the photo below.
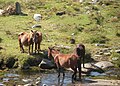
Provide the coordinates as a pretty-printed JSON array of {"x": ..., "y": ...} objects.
[{"x": 107, "y": 54}]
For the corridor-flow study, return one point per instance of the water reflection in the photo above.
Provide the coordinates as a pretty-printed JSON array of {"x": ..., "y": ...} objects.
[
  {"x": 53, "y": 80},
  {"x": 41, "y": 78}
]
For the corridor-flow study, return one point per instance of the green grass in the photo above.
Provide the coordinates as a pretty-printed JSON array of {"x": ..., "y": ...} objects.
[{"x": 88, "y": 28}]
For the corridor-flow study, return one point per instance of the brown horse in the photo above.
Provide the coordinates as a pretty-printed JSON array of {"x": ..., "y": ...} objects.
[
  {"x": 64, "y": 61},
  {"x": 37, "y": 39},
  {"x": 80, "y": 51},
  {"x": 26, "y": 39}
]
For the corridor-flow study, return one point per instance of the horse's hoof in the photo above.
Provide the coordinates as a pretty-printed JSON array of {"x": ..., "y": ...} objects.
[
  {"x": 80, "y": 80},
  {"x": 22, "y": 52},
  {"x": 73, "y": 81},
  {"x": 28, "y": 54}
]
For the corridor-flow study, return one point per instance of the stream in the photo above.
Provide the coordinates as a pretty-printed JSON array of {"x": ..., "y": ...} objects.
[
  {"x": 27, "y": 78},
  {"x": 42, "y": 78}
]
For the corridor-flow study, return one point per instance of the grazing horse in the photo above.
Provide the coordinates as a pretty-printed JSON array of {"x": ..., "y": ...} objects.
[
  {"x": 64, "y": 61},
  {"x": 37, "y": 39},
  {"x": 26, "y": 39},
  {"x": 80, "y": 51}
]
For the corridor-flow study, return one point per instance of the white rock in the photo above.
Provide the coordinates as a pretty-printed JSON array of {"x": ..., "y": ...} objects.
[
  {"x": 37, "y": 17},
  {"x": 1, "y": 11}
]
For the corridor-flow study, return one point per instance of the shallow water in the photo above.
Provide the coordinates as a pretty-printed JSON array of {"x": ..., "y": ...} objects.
[
  {"x": 35, "y": 78},
  {"x": 43, "y": 78},
  {"x": 52, "y": 80}
]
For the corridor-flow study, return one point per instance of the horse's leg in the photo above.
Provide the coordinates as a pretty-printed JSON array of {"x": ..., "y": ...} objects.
[
  {"x": 58, "y": 72},
  {"x": 32, "y": 47},
  {"x": 21, "y": 46},
  {"x": 83, "y": 60},
  {"x": 83, "y": 56},
  {"x": 29, "y": 50},
  {"x": 38, "y": 47},
  {"x": 58, "y": 65},
  {"x": 74, "y": 74},
  {"x": 62, "y": 70},
  {"x": 63, "y": 73},
  {"x": 35, "y": 47},
  {"x": 79, "y": 68}
]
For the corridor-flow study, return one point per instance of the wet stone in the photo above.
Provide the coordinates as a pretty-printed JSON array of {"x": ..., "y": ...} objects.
[
  {"x": 6, "y": 79},
  {"x": 1, "y": 84},
  {"x": 27, "y": 80}
]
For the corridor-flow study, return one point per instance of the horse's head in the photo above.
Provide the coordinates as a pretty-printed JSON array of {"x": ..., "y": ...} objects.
[
  {"x": 33, "y": 35},
  {"x": 80, "y": 50},
  {"x": 49, "y": 52},
  {"x": 52, "y": 52},
  {"x": 36, "y": 36}
]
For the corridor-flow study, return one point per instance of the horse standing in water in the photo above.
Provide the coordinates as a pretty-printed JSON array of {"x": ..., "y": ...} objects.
[
  {"x": 37, "y": 39},
  {"x": 64, "y": 61},
  {"x": 80, "y": 51},
  {"x": 26, "y": 39}
]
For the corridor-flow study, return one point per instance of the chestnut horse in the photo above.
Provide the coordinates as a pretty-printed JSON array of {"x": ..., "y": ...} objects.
[
  {"x": 25, "y": 39},
  {"x": 64, "y": 61},
  {"x": 37, "y": 39}
]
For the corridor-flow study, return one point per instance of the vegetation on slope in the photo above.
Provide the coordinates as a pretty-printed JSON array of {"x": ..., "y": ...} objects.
[{"x": 90, "y": 24}]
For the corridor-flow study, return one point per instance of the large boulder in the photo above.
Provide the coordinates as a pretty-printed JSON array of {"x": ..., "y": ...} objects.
[
  {"x": 46, "y": 64},
  {"x": 89, "y": 67},
  {"x": 104, "y": 64}
]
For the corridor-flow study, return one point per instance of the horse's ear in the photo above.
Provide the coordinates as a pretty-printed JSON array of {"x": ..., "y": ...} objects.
[
  {"x": 49, "y": 48},
  {"x": 32, "y": 31},
  {"x": 53, "y": 46}
]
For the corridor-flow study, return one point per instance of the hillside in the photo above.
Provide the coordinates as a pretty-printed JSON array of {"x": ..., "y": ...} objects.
[{"x": 90, "y": 24}]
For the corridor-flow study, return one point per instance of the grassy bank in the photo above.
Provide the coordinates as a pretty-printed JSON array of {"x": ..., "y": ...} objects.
[{"x": 90, "y": 23}]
